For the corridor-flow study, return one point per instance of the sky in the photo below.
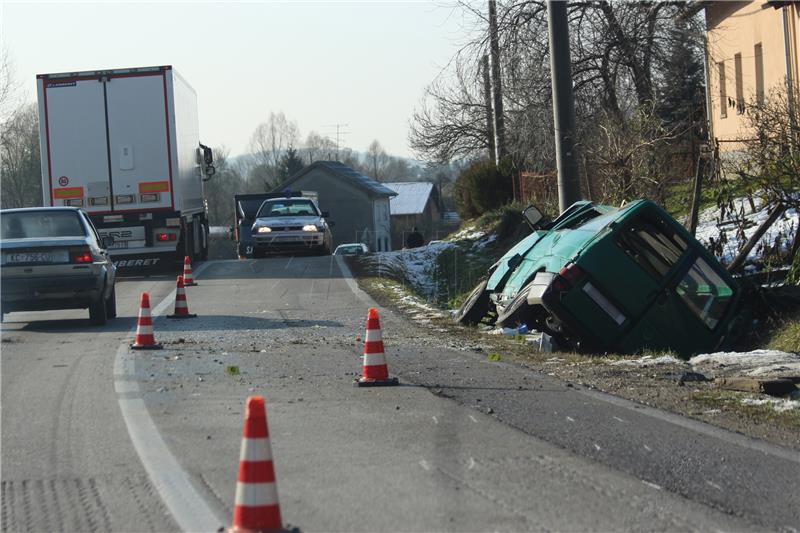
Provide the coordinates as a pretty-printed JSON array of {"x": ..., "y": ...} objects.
[{"x": 362, "y": 65}]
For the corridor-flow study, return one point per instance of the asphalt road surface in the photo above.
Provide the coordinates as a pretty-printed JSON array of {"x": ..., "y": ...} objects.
[{"x": 96, "y": 437}]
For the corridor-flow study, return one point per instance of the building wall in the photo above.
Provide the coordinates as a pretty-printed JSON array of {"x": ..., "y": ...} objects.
[
  {"x": 382, "y": 240},
  {"x": 349, "y": 207},
  {"x": 734, "y": 29}
]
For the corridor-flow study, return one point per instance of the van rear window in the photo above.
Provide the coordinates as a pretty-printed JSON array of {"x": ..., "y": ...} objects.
[{"x": 653, "y": 245}]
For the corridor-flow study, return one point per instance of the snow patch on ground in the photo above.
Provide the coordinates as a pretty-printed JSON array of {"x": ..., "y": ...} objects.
[
  {"x": 416, "y": 263},
  {"x": 757, "y": 363},
  {"x": 469, "y": 233},
  {"x": 649, "y": 360},
  {"x": 778, "y": 404},
  {"x": 709, "y": 232}
]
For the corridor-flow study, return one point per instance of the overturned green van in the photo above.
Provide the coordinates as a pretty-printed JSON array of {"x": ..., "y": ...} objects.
[{"x": 611, "y": 280}]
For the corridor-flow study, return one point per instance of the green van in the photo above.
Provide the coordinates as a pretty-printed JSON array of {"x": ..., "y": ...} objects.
[{"x": 604, "y": 279}]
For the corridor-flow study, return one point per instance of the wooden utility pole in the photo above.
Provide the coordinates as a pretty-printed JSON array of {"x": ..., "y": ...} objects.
[
  {"x": 569, "y": 185},
  {"x": 497, "y": 86},
  {"x": 487, "y": 102}
]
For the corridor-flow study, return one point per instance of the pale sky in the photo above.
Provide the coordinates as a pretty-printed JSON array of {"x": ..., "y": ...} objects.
[{"x": 363, "y": 64}]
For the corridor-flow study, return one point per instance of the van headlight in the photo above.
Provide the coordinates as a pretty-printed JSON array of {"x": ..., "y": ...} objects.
[
  {"x": 264, "y": 229},
  {"x": 310, "y": 227}
]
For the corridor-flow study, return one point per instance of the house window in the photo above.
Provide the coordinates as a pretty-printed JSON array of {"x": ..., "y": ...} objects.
[
  {"x": 759, "y": 57},
  {"x": 723, "y": 93},
  {"x": 737, "y": 69}
]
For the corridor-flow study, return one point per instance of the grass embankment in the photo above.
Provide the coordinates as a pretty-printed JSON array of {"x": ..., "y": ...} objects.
[{"x": 786, "y": 335}]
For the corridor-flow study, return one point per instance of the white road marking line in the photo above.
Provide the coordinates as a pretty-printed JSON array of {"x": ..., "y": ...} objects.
[
  {"x": 712, "y": 484},
  {"x": 435, "y": 420},
  {"x": 472, "y": 418},
  {"x": 618, "y": 419},
  {"x": 173, "y": 485},
  {"x": 653, "y": 485},
  {"x": 570, "y": 419},
  {"x": 424, "y": 464}
]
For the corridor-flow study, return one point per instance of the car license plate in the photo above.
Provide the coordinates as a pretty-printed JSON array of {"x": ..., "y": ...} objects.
[
  {"x": 118, "y": 244},
  {"x": 52, "y": 256}
]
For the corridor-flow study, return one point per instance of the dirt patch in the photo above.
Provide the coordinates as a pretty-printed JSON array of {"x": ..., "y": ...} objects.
[{"x": 658, "y": 381}]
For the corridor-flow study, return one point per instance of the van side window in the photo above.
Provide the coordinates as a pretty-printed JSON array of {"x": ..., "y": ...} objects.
[
  {"x": 653, "y": 245},
  {"x": 705, "y": 293}
]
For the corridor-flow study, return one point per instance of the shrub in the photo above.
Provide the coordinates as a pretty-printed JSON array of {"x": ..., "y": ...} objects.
[{"x": 482, "y": 187}]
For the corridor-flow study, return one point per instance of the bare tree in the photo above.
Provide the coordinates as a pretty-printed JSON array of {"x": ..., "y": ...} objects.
[
  {"x": 269, "y": 143},
  {"x": 20, "y": 166},
  {"x": 9, "y": 87},
  {"x": 376, "y": 159}
]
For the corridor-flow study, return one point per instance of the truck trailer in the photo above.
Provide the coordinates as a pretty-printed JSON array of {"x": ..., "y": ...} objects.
[{"x": 124, "y": 146}]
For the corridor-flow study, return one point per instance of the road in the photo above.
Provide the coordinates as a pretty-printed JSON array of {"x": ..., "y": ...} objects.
[{"x": 96, "y": 437}]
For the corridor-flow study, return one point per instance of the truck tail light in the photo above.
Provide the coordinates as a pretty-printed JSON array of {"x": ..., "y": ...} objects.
[
  {"x": 568, "y": 277},
  {"x": 81, "y": 255},
  {"x": 166, "y": 236}
]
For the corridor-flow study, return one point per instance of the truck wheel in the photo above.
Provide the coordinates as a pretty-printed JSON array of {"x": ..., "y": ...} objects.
[
  {"x": 475, "y": 306},
  {"x": 111, "y": 304},
  {"x": 97, "y": 312}
]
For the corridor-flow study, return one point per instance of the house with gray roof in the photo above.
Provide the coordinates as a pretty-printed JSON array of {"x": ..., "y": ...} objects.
[
  {"x": 416, "y": 205},
  {"x": 357, "y": 204}
]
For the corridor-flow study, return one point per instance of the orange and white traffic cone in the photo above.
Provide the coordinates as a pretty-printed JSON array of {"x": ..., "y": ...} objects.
[
  {"x": 181, "y": 305},
  {"x": 374, "y": 372},
  {"x": 187, "y": 273},
  {"x": 256, "y": 507},
  {"x": 144, "y": 327}
]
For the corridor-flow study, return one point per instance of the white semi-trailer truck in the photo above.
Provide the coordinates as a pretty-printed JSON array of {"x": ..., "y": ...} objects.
[{"x": 124, "y": 146}]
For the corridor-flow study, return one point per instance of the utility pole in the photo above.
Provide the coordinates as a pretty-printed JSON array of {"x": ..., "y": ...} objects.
[
  {"x": 497, "y": 87},
  {"x": 487, "y": 102},
  {"x": 569, "y": 185}
]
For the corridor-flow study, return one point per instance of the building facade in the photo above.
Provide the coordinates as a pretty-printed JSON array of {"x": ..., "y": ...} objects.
[
  {"x": 751, "y": 50},
  {"x": 416, "y": 205},
  {"x": 357, "y": 205}
]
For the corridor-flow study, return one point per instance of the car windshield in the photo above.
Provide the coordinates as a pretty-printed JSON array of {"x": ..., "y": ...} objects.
[
  {"x": 353, "y": 249},
  {"x": 284, "y": 208},
  {"x": 38, "y": 224}
]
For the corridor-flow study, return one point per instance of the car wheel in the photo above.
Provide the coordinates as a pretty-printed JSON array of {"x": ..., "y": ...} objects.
[
  {"x": 111, "y": 304},
  {"x": 475, "y": 306},
  {"x": 97, "y": 312}
]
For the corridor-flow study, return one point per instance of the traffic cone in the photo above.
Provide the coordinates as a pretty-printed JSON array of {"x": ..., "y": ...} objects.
[
  {"x": 144, "y": 327},
  {"x": 374, "y": 372},
  {"x": 256, "y": 507},
  {"x": 181, "y": 306},
  {"x": 187, "y": 273}
]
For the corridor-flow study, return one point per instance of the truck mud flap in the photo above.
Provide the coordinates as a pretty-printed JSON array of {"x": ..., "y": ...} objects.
[{"x": 144, "y": 264}]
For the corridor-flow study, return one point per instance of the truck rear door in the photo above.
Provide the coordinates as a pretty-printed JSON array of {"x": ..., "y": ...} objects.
[
  {"x": 77, "y": 163},
  {"x": 139, "y": 142}
]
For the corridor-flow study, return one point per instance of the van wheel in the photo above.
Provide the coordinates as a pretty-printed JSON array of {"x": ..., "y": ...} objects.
[
  {"x": 97, "y": 312},
  {"x": 111, "y": 304},
  {"x": 518, "y": 311},
  {"x": 475, "y": 306}
]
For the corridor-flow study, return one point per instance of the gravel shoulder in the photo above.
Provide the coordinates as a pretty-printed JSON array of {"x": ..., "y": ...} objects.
[{"x": 655, "y": 383}]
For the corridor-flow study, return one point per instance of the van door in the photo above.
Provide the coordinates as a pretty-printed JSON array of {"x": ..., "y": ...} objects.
[
  {"x": 668, "y": 258},
  {"x": 139, "y": 142},
  {"x": 78, "y": 160}
]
